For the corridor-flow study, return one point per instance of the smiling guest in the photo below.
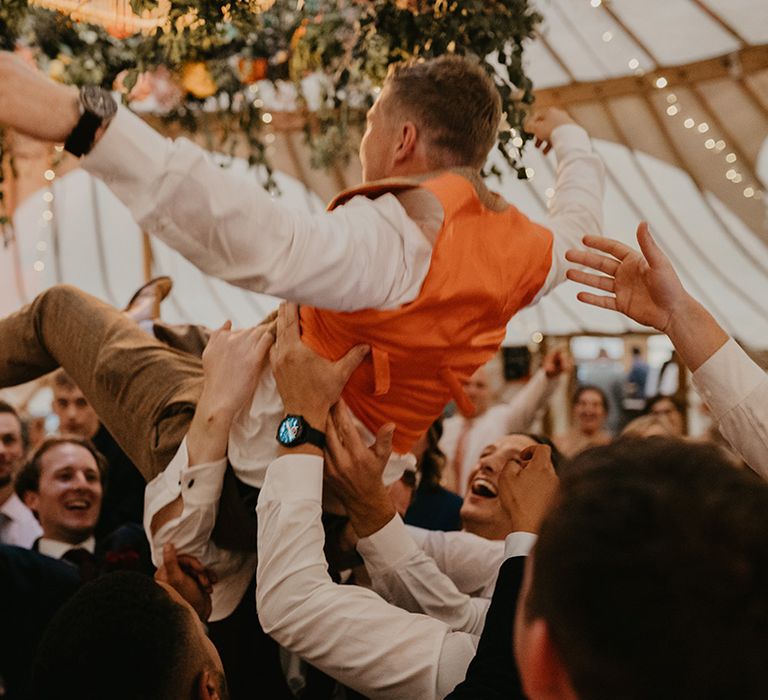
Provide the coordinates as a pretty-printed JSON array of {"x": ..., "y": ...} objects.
[
  {"x": 62, "y": 484},
  {"x": 590, "y": 410},
  {"x": 482, "y": 512}
]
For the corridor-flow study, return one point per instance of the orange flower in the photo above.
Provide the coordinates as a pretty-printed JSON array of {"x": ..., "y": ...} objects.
[{"x": 197, "y": 80}]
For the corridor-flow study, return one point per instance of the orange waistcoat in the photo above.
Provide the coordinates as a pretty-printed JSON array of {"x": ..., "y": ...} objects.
[{"x": 486, "y": 265}]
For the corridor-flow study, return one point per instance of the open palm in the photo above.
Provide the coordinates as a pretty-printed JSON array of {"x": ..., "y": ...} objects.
[{"x": 644, "y": 286}]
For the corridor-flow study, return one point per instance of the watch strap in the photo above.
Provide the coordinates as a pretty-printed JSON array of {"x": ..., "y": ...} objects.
[
  {"x": 313, "y": 436},
  {"x": 80, "y": 140}
]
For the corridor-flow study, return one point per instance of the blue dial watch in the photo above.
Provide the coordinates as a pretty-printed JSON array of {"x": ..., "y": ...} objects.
[{"x": 294, "y": 430}]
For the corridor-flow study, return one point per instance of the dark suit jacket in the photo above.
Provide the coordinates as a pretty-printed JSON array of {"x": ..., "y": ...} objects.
[
  {"x": 32, "y": 588},
  {"x": 493, "y": 674}
]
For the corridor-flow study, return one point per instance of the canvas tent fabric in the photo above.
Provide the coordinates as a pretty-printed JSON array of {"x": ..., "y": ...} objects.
[{"x": 618, "y": 66}]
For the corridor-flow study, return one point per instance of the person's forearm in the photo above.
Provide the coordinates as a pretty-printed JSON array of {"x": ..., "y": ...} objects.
[
  {"x": 228, "y": 226},
  {"x": 34, "y": 105},
  {"x": 576, "y": 208},
  {"x": 209, "y": 431},
  {"x": 405, "y": 576},
  {"x": 370, "y": 516},
  {"x": 695, "y": 333}
]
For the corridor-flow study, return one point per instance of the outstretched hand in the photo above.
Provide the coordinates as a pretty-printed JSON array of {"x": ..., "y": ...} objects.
[
  {"x": 308, "y": 383},
  {"x": 527, "y": 490},
  {"x": 643, "y": 286},
  {"x": 354, "y": 471}
]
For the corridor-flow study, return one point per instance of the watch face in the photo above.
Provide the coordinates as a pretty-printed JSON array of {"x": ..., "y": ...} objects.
[{"x": 290, "y": 430}]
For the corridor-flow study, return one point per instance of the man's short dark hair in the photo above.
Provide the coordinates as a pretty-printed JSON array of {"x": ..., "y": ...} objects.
[
  {"x": 121, "y": 637},
  {"x": 652, "y": 574},
  {"x": 455, "y": 102},
  {"x": 5, "y": 407},
  {"x": 28, "y": 478}
]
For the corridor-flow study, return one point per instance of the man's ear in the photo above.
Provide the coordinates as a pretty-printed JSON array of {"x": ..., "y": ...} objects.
[
  {"x": 541, "y": 669},
  {"x": 207, "y": 688},
  {"x": 406, "y": 142},
  {"x": 31, "y": 500}
]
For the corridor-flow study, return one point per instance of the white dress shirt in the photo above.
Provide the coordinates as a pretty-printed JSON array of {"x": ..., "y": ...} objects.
[
  {"x": 364, "y": 254},
  {"x": 736, "y": 390},
  {"x": 18, "y": 525},
  {"x": 403, "y": 574},
  {"x": 348, "y": 632},
  {"x": 497, "y": 421}
]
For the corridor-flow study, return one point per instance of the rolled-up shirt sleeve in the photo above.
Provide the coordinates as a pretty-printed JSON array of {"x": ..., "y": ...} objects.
[
  {"x": 348, "y": 632},
  {"x": 363, "y": 254}
]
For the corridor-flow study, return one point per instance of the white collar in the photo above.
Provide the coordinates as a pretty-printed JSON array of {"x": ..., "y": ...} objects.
[{"x": 57, "y": 549}]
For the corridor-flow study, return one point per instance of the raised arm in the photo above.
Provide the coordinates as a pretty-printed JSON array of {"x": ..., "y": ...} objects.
[
  {"x": 645, "y": 287},
  {"x": 576, "y": 208},
  {"x": 348, "y": 632},
  {"x": 182, "y": 503},
  {"x": 364, "y": 254},
  {"x": 519, "y": 412},
  {"x": 400, "y": 570}
]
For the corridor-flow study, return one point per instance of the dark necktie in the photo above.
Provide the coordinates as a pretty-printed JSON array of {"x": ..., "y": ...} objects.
[{"x": 84, "y": 561}]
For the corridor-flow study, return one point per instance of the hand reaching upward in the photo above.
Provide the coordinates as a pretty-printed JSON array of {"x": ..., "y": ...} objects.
[{"x": 644, "y": 287}]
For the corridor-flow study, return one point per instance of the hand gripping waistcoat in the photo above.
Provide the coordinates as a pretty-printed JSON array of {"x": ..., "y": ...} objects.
[{"x": 488, "y": 261}]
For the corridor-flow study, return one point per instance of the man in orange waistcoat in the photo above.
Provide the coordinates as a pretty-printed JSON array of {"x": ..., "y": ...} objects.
[{"x": 422, "y": 264}]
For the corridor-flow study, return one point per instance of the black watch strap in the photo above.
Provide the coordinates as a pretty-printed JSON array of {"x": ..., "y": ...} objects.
[
  {"x": 314, "y": 437},
  {"x": 98, "y": 107}
]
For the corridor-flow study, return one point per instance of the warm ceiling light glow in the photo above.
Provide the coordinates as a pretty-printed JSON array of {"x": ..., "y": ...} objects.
[
  {"x": 116, "y": 16},
  {"x": 661, "y": 82}
]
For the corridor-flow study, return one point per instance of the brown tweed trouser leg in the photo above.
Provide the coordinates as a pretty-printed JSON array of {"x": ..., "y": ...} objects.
[{"x": 143, "y": 391}]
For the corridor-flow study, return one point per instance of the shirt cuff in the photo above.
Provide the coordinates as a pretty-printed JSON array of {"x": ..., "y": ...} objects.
[
  {"x": 388, "y": 547},
  {"x": 197, "y": 485},
  {"x": 294, "y": 477},
  {"x": 570, "y": 137},
  {"x": 519, "y": 544},
  {"x": 130, "y": 151},
  {"x": 727, "y": 378}
]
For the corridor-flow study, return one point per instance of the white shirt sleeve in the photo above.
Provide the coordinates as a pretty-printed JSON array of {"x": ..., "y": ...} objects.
[
  {"x": 471, "y": 562},
  {"x": 348, "y": 632},
  {"x": 200, "y": 489},
  {"x": 404, "y": 575},
  {"x": 576, "y": 209},
  {"x": 736, "y": 390},
  {"x": 363, "y": 254}
]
